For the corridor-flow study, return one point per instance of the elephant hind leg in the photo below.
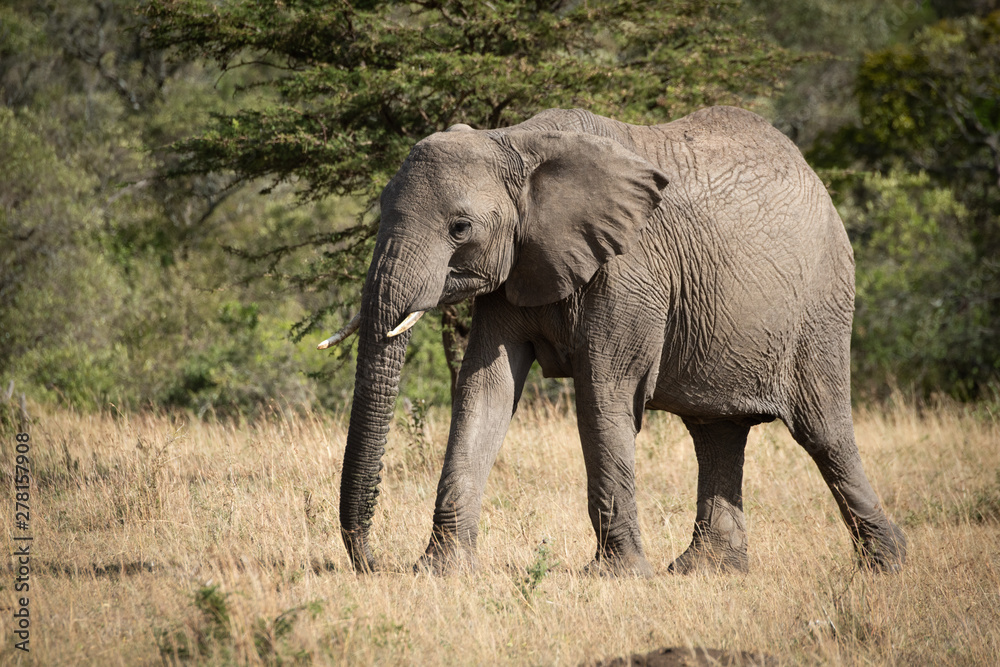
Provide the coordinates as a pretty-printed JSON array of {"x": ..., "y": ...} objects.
[
  {"x": 720, "y": 540},
  {"x": 821, "y": 422}
]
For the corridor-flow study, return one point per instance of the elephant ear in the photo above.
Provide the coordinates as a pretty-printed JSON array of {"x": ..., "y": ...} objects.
[{"x": 585, "y": 200}]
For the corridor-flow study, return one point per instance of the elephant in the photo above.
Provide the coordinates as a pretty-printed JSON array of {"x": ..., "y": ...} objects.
[{"x": 697, "y": 267}]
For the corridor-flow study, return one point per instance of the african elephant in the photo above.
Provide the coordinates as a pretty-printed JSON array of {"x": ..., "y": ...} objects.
[{"x": 697, "y": 267}]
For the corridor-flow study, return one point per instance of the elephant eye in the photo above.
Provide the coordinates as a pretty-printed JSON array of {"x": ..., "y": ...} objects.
[{"x": 460, "y": 230}]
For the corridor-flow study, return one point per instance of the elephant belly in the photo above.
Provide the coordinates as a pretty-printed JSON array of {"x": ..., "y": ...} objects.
[
  {"x": 723, "y": 378},
  {"x": 706, "y": 406}
]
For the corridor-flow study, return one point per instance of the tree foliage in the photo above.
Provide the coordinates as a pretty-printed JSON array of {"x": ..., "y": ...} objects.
[
  {"x": 345, "y": 89},
  {"x": 922, "y": 320},
  {"x": 818, "y": 97},
  {"x": 356, "y": 84},
  {"x": 113, "y": 287},
  {"x": 929, "y": 111},
  {"x": 934, "y": 103}
]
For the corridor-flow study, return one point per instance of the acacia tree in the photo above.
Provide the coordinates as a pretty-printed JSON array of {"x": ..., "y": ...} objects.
[{"x": 344, "y": 89}]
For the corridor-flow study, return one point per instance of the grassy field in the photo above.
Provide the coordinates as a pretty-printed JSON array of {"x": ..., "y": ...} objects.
[{"x": 163, "y": 538}]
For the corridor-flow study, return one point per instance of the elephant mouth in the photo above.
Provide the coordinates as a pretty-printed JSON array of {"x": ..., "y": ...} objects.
[{"x": 462, "y": 285}]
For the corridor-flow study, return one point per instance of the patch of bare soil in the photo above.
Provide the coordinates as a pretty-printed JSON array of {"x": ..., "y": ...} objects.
[{"x": 685, "y": 657}]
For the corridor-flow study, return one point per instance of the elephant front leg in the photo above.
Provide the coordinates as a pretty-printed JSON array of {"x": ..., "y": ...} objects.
[
  {"x": 720, "y": 538},
  {"x": 607, "y": 433},
  {"x": 490, "y": 384}
]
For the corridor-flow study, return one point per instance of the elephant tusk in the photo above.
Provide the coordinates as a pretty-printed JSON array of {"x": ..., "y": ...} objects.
[
  {"x": 410, "y": 320},
  {"x": 338, "y": 337}
]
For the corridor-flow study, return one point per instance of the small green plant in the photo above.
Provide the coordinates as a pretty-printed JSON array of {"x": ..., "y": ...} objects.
[
  {"x": 390, "y": 634},
  {"x": 215, "y": 611},
  {"x": 537, "y": 571},
  {"x": 210, "y": 630},
  {"x": 269, "y": 636}
]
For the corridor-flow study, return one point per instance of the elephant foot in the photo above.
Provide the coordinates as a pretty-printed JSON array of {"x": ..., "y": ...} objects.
[
  {"x": 613, "y": 565},
  {"x": 713, "y": 552},
  {"x": 441, "y": 560},
  {"x": 700, "y": 559},
  {"x": 883, "y": 550}
]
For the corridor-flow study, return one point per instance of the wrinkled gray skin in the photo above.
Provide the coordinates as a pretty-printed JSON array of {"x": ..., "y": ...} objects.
[{"x": 697, "y": 267}]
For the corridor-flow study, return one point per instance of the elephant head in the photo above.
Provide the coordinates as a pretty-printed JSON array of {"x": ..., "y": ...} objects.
[{"x": 470, "y": 212}]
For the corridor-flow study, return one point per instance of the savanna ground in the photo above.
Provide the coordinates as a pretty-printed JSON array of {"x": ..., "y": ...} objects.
[{"x": 163, "y": 538}]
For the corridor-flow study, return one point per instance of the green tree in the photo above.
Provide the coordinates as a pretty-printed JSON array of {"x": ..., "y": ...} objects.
[
  {"x": 920, "y": 313},
  {"x": 113, "y": 284},
  {"x": 956, "y": 8},
  {"x": 929, "y": 107},
  {"x": 934, "y": 104},
  {"x": 343, "y": 90},
  {"x": 818, "y": 97},
  {"x": 48, "y": 273}
]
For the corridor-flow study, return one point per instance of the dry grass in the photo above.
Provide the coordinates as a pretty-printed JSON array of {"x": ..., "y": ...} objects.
[{"x": 158, "y": 538}]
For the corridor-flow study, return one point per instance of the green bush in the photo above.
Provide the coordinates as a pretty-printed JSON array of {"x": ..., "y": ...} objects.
[{"x": 922, "y": 305}]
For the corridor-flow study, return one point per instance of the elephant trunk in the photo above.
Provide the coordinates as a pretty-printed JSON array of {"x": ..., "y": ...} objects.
[{"x": 380, "y": 360}]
